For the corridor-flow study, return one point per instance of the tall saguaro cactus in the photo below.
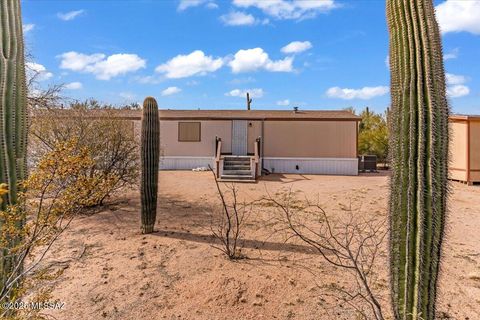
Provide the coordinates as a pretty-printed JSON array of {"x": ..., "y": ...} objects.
[
  {"x": 150, "y": 154},
  {"x": 13, "y": 99},
  {"x": 13, "y": 122},
  {"x": 419, "y": 153}
]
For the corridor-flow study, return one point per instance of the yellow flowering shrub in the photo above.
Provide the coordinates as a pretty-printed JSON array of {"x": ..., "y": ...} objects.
[
  {"x": 112, "y": 143},
  {"x": 59, "y": 188}
]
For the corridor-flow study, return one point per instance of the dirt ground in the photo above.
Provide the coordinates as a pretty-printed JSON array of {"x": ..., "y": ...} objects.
[{"x": 111, "y": 271}]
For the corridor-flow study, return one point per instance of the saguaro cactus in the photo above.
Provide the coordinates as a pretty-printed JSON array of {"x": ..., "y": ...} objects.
[
  {"x": 13, "y": 100},
  {"x": 150, "y": 152},
  {"x": 419, "y": 153},
  {"x": 13, "y": 121}
]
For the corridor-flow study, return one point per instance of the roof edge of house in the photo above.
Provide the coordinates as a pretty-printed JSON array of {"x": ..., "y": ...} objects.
[{"x": 465, "y": 117}]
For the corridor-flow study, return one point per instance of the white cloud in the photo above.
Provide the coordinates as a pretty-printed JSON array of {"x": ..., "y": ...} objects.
[
  {"x": 451, "y": 55},
  {"x": 456, "y": 85},
  {"x": 256, "y": 59},
  {"x": 115, "y": 65},
  {"x": 74, "y": 86},
  {"x": 185, "y": 4},
  {"x": 67, "y": 16},
  {"x": 103, "y": 67},
  {"x": 195, "y": 63},
  {"x": 37, "y": 71},
  {"x": 458, "y": 91},
  {"x": 285, "y": 102},
  {"x": 289, "y": 9},
  {"x": 453, "y": 79},
  {"x": 78, "y": 61},
  {"x": 297, "y": 47},
  {"x": 387, "y": 61},
  {"x": 364, "y": 93},
  {"x": 171, "y": 90},
  {"x": 28, "y": 27},
  {"x": 238, "y": 18},
  {"x": 254, "y": 93},
  {"x": 458, "y": 16}
]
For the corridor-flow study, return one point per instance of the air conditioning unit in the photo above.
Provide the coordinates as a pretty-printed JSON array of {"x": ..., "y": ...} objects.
[{"x": 367, "y": 163}]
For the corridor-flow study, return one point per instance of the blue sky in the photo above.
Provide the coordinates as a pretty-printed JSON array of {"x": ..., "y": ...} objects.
[{"x": 315, "y": 54}]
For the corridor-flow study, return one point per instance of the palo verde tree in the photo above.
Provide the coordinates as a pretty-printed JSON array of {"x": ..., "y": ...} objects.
[
  {"x": 13, "y": 117},
  {"x": 150, "y": 154},
  {"x": 373, "y": 135},
  {"x": 419, "y": 153}
]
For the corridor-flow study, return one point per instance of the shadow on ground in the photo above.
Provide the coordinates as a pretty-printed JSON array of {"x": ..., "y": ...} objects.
[{"x": 244, "y": 243}]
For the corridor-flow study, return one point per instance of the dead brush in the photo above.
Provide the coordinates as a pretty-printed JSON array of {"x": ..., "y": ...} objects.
[{"x": 227, "y": 223}]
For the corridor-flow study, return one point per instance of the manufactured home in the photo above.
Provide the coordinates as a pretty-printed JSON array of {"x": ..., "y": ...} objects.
[
  {"x": 465, "y": 148},
  {"x": 243, "y": 144}
]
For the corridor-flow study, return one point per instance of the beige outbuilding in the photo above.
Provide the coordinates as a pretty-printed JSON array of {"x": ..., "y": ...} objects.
[{"x": 465, "y": 148}]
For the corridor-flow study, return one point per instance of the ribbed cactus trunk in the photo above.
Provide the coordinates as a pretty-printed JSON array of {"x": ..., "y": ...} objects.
[
  {"x": 13, "y": 99},
  {"x": 13, "y": 120},
  {"x": 150, "y": 154},
  {"x": 419, "y": 154}
]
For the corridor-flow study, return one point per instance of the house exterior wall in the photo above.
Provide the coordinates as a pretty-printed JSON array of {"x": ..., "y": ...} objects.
[
  {"x": 465, "y": 148},
  {"x": 309, "y": 147},
  {"x": 458, "y": 150},
  {"x": 310, "y": 139},
  {"x": 170, "y": 145},
  {"x": 254, "y": 130},
  {"x": 475, "y": 151}
]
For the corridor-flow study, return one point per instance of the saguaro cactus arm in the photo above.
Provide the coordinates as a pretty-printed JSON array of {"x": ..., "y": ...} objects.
[
  {"x": 150, "y": 156},
  {"x": 419, "y": 153},
  {"x": 13, "y": 101}
]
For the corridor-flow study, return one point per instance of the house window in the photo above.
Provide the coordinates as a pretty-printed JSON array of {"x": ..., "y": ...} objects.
[{"x": 189, "y": 131}]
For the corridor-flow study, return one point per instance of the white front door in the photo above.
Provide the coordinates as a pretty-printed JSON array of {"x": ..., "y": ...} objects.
[{"x": 239, "y": 137}]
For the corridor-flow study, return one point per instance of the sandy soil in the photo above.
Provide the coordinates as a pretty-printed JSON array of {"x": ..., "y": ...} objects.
[{"x": 111, "y": 271}]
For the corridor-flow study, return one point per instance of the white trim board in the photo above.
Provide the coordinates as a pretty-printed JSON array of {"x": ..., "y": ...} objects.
[
  {"x": 309, "y": 159},
  {"x": 185, "y": 162},
  {"x": 328, "y": 166}
]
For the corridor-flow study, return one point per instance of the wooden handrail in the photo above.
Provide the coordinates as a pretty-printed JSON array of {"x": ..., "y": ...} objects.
[
  {"x": 256, "y": 155},
  {"x": 218, "y": 153},
  {"x": 219, "y": 150}
]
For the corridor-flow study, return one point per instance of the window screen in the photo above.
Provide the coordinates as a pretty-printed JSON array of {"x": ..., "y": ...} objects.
[{"x": 189, "y": 131}]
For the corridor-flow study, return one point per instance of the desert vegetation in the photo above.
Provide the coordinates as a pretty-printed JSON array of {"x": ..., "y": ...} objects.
[
  {"x": 373, "y": 135},
  {"x": 112, "y": 142},
  {"x": 150, "y": 158},
  {"x": 81, "y": 159}
]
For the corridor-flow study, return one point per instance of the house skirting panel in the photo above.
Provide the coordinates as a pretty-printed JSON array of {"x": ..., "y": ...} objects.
[
  {"x": 329, "y": 166},
  {"x": 185, "y": 163}
]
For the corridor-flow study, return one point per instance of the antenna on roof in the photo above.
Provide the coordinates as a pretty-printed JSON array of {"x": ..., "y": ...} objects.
[
  {"x": 249, "y": 101},
  {"x": 295, "y": 109}
]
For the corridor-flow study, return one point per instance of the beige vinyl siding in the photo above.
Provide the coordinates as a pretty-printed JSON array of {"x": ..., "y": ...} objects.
[
  {"x": 464, "y": 148},
  {"x": 310, "y": 139},
  {"x": 170, "y": 146},
  {"x": 254, "y": 130},
  {"x": 475, "y": 151},
  {"x": 458, "y": 150},
  {"x": 189, "y": 131}
]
